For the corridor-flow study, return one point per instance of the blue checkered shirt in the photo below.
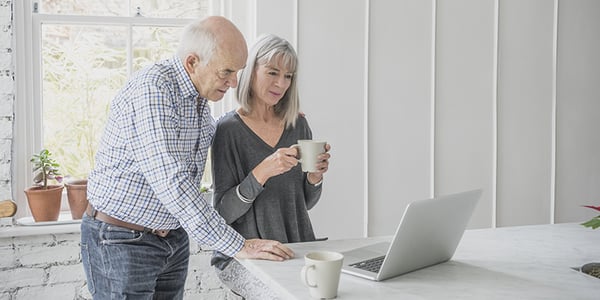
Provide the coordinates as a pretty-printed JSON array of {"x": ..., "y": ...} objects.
[{"x": 151, "y": 158}]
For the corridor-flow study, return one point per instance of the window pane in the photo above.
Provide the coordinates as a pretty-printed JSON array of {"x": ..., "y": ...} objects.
[
  {"x": 147, "y": 8},
  {"x": 82, "y": 68},
  {"x": 151, "y": 44},
  {"x": 171, "y": 8},
  {"x": 86, "y": 7}
]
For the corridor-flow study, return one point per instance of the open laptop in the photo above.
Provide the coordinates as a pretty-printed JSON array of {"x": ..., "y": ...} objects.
[{"x": 428, "y": 234}]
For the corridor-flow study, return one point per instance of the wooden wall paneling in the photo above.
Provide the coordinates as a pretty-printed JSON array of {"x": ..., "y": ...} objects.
[
  {"x": 578, "y": 110},
  {"x": 332, "y": 76},
  {"x": 525, "y": 110},
  {"x": 400, "y": 109},
  {"x": 464, "y": 106}
]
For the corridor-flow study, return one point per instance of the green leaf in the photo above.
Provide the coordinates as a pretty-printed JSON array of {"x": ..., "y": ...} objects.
[
  {"x": 593, "y": 223},
  {"x": 38, "y": 178},
  {"x": 44, "y": 167}
]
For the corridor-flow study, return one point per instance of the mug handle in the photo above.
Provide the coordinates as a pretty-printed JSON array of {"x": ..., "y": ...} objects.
[
  {"x": 304, "y": 276},
  {"x": 297, "y": 146}
]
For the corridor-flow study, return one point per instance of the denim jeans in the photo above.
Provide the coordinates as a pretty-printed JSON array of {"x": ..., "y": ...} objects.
[{"x": 121, "y": 263}]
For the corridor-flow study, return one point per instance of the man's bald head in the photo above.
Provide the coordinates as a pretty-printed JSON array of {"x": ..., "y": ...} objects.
[{"x": 209, "y": 35}]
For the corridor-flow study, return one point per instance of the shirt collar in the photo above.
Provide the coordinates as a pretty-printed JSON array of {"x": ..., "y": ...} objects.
[{"x": 183, "y": 80}]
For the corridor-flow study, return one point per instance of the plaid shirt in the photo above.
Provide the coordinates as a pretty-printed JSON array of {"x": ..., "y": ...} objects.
[{"x": 151, "y": 158}]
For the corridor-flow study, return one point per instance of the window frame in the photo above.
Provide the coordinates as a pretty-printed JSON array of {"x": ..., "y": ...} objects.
[{"x": 28, "y": 133}]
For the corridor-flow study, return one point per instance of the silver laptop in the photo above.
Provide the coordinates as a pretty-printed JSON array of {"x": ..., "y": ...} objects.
[{"x": 428, "y": 234}]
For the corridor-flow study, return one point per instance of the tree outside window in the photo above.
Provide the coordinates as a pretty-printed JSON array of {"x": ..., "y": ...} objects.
[{"x": 85, "y": 61}]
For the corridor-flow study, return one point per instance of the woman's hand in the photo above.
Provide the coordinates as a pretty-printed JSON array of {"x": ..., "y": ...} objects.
[
  {"x": 281, "y": 161},
  {"x": 322, "y": 166}
]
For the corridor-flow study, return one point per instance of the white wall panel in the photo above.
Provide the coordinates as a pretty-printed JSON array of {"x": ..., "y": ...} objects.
[
  {"x": 331, "y": 46},
  {"x": 400, "y": 109},
  {"x": 375, "y": 77},
  {"x": 464, "y": 127},
  {"x": 269, "y": 17},
  {"x": 578, "y": 110},
  {"x": 525, "y": 110}
]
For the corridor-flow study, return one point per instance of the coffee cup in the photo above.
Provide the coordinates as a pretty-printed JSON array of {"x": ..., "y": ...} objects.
[
  {"x": 308, "y": 152},
  {"x": 321, "y": 273}
]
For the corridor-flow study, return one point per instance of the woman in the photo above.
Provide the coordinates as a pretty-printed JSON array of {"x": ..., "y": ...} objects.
[{"x": 260, "y": 189}]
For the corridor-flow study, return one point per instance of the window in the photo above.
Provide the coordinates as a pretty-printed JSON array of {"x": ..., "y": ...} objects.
[{"x": 73, "y": 56}]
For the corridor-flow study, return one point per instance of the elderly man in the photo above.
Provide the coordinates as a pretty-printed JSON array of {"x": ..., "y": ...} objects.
[{"x": 144, "y": 189}]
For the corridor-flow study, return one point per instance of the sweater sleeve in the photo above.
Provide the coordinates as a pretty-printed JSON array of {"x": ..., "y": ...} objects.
[
  {"x": 236, "y": 201},
  {"x": 312, "y": 192},
  {"x": 234, "y": 190}
]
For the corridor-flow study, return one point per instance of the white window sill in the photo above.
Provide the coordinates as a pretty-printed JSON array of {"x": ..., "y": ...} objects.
[
  {"x": 26, "y": 227},
  {"x": 20, "y": 230},
  {"x": 64, "y": 225}
]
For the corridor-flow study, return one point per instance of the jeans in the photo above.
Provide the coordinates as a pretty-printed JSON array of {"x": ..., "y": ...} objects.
[{"x": 121, "y": 263}]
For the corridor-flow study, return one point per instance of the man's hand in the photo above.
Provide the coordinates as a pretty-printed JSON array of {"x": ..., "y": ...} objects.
[{"x": 265, "y": 249}]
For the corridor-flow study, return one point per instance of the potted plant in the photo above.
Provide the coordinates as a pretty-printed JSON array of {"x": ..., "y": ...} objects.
[
  {"x": 593, "y": 268},
  {"x": 594, "y": 222},
  {"x": 77, "y": 197},
  {"x": 43, "y": 198}
]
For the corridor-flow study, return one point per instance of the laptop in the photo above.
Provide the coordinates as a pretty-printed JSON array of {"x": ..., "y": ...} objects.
[{"x": 428, "y": 234}]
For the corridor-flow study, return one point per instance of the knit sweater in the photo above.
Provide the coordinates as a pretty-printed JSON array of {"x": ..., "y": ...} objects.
[{"x": 280, "y": 207}]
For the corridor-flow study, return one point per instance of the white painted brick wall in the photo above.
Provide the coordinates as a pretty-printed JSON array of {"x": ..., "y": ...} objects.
[
  {"x": 6, "y": 83},
  {"x": 7, "y": 87},
  {"x": 6, "y": 105},
  {"x": 5, "y": 10},
  {"x": 49, "y": 266}
]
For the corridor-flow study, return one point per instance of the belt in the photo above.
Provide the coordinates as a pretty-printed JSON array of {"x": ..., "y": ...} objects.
[{"x": 96, "y": 214}]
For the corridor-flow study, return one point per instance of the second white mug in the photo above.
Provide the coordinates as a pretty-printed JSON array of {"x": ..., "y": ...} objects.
[{"x": 321, "y": 273}]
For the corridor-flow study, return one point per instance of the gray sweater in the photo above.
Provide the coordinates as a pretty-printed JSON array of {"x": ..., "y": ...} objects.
[{"x": 280, "y": 207}]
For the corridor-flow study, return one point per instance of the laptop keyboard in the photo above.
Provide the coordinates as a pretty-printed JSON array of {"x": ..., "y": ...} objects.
[{"x": 372, "y": 265}]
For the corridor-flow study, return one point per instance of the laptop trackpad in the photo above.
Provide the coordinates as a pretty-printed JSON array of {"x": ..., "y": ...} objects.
[{"x": 366, "y": 252}]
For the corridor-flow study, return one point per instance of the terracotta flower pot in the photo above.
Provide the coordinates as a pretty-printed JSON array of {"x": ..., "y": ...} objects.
[
  {"x": 44, "y": 203},
  {"x": 77, "y": 196}
]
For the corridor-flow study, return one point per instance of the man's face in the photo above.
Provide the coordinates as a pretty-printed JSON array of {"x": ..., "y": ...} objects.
[{"x": 212, "y": 80}]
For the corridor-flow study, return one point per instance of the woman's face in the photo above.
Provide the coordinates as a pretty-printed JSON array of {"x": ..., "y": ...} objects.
[{"x": 270, "y": 83}]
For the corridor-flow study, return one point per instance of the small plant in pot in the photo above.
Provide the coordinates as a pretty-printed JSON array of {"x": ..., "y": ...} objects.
[
  {"x": 77, "y": 197},
  {"x": 44, "y": 198}
]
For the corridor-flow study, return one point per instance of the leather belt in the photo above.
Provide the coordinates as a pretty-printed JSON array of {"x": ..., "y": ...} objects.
[{"x": 96, "y": 214}]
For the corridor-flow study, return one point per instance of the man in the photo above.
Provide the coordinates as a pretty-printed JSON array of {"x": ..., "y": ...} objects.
[{"x": 144, "y": 190}]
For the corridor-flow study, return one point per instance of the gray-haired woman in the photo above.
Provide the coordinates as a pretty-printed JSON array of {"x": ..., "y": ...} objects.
[{"x": 260, "y": 190}]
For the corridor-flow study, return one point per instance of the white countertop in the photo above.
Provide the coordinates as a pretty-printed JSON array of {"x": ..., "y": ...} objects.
[{"x": 523, "y": 262}]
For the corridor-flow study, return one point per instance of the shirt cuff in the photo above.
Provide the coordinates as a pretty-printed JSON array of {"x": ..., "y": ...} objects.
[{"x": 230, "y": 243}]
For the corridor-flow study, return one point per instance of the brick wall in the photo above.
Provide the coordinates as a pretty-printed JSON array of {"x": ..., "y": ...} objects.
[
  {"x": 48, "y": 266},
  {"x": 7, "y": 96},
  {"x": 36, "y": 267}
]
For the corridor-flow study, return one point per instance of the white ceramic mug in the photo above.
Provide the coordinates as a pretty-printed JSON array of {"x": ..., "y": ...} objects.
[
  {"x": 308, "y": 151},
  {"x": 321, "y": 273}
]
